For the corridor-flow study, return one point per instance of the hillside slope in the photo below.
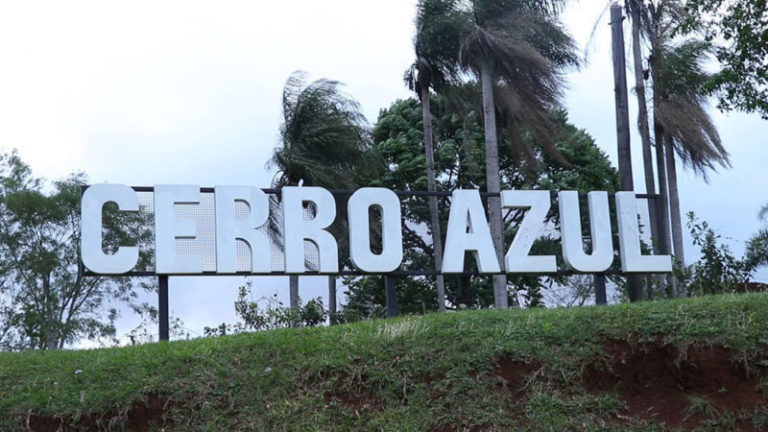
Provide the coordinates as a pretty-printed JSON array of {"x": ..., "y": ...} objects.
[{"x": 685, "y": 364}]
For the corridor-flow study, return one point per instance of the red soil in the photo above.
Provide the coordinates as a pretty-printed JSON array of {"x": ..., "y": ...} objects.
[
  {"x": 140, "y": 418},
  {"x": 658, "y": 382}
]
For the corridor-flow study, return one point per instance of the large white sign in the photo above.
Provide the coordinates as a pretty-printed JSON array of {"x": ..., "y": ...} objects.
[{"x": 468, "y": 231}]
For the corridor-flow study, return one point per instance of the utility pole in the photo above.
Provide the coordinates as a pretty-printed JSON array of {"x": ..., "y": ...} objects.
[{"x": 622, "y": 123}]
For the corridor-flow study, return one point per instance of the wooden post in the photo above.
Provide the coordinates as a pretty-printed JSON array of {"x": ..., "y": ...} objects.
[
  {"x": 622, "y": 123},
  {"x": 162, "y": 307},
  {"x": 391, "y": 295}
]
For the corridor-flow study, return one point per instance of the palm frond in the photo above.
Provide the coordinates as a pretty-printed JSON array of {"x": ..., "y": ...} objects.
[
  {"x": 681, "y": 111},
  {"x": 324, "y": 136},
  {"x": 527, "y": 53},
  {"x": 440, "y": 26},
  {"x": 325, "y": 141},
  {"x": 694, "y": 136},
  {"x": 486, "y": 10},
  {"x": 763, "y": 213},
  {"x": 420, "y": 76}
]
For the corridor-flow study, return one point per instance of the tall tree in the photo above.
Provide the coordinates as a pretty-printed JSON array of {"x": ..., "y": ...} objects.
[
  {"x": 682, "y": 126},
  {"x": 419, "y": 79},
  {"x": 739, "y": 32},
  {"x": 638, "y": 14},
  {"x": 459, "y": 140},
  {"x": 435, "y": 66},
  {"x": 516, "y": 49},
  {"x": 324, "y": 142},
  {"x": 689, "y": 131},
  {"x": 46, "y": 301}
]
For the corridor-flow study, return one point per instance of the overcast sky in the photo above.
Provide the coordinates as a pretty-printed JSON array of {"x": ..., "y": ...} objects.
[{"x": 188, "y": 92}]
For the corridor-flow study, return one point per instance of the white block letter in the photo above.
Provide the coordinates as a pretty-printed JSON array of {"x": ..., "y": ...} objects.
[
  {"x": 468, "y": 231},
  {"x": 168, "y": 229},
  {"x": 94, "y": 258},
  {"x": 229, "y": 229},
  {"x": 632, "y": 260},
  {"x": 517, "y": 259},
  {"x": 359, "y": 230},
  {"x": 600, "y": 226},
  {"x": 296, "y": 229}
]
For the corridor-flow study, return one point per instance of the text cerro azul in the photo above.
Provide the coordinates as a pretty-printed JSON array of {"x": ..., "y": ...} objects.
[{"x": 468, "y": 231}]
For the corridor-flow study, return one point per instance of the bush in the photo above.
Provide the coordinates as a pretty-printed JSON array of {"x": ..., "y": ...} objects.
[
  {"x": 268, "y": 313},
  {"x": 717, "y": 271}
]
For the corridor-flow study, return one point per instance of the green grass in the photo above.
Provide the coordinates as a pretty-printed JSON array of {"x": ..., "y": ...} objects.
[{"x": 408, "y": 374}]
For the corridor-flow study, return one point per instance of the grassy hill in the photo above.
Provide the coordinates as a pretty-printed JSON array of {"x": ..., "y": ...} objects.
[{"x": 697, "y": 364}]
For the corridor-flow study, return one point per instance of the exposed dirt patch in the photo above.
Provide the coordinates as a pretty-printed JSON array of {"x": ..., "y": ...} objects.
[
  {"x": 514, "y": 375},
  {"x": 140, "y": 417},
  {"x": 679, "y": 388},
  {"x": 354, "y": 401},
  {"x": 351, "y": 392}
]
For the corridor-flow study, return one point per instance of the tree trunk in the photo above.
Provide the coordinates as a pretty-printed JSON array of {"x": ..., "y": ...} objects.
[
  {"x": 642, "y": 116},
  {"x": 663, "y": 201},
  {"x": 293, "y": 287},
  {"x": 634, "y": 281},
  {"x": 50, "y": 335},
  {"x": 493, "y": 184},
  {"x": 662, "y": 209},
  {"x": 674, "y": 208},
  {"x": 434, "y": 216},
  {"x": 332, "y": 299}
]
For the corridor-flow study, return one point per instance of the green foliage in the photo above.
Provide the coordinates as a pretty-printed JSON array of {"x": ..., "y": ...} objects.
[
  {"x": 757, "y": 249},
  {"x": 717, "y": 271},
  {"x": 45, "y": 300},
  {"x": 406, "y": 374},
  {"x": 268, "y": 313},
  {"x": 366, "y": 298},
  {"x": 757, "y": 246},
  {"x": 739, "y": 30},
  {"x": 680, "y": 79},
  {"x": 324, "y": 136},
  {"x": 460, "y": 163},
  {"x": 325, "y": 142}
]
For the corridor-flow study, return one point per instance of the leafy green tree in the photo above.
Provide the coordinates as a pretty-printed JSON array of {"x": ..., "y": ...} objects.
[
  {"x": 47, "y": 302},
  {"x": 739, "y": 32},
  {"x": 459, "y": 163},
  {"x": 516, "y": 49},
  {"x": 419, "y": 79},
  {"x": 324, "y": 142}
]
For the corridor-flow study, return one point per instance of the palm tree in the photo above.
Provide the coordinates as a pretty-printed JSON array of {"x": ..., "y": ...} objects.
[
  {"x": 682, "y": 126},
  {"x": 325, "y": 142},
  {"x": 433, "y": 44},
  {"x": 419, "y": 79},
  {"x": 517, "y": 50},
  {"x": 688, "y": 129},
  {"x": 638, "y": 13},
  {"x": 434, "y": 68}
]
